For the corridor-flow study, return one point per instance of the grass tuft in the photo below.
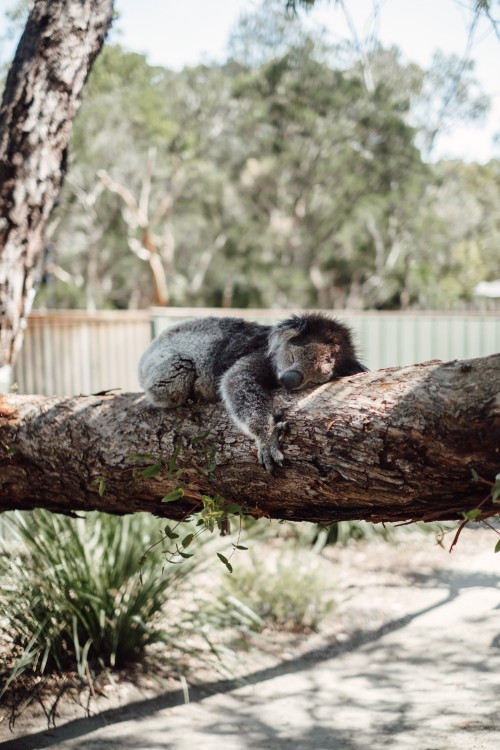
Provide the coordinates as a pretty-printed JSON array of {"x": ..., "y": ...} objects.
[
  {"x": 287, "y": 590},
  {"x": 78, "y": 594}
]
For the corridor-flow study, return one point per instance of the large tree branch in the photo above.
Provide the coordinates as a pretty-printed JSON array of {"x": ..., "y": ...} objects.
[{"x": 390, "y": 445}]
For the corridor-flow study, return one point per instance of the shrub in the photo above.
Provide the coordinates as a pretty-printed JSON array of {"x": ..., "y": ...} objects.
[
  {"x": 288, "y": 590},
  {"x": 76, "y": 591}
]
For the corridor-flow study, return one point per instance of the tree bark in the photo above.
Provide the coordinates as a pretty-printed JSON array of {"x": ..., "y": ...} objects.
[
  {"x": 41, "y": 98},
  {"x": 392, "y": 445}
]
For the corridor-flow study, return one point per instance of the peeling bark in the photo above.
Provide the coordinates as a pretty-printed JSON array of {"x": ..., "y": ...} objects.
[
  {"x": 41, "y": 98},
  {"x": 391, "y": 445}
]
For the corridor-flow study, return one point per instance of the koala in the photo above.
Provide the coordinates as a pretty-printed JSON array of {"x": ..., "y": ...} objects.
[{"x": 241, "y": 363}]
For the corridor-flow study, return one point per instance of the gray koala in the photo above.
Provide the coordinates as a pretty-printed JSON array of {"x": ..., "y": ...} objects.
[{"x": 241, "y": 363}]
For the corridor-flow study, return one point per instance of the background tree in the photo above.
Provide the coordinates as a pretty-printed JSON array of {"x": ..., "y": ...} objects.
[
  {"x": 281, "y": 178},
  {"x": 450, "y": 94},
  {"x": 41, "y": 97},
  {"x": 289, "y": 176}
]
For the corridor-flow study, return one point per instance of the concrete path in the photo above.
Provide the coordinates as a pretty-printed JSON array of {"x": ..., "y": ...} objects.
[{"x": 427, "y": 680}]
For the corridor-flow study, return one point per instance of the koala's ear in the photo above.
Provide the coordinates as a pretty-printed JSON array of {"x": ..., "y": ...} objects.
[
  {"x": 283, "y": 332},
  {"x": 350, "y": 367}
]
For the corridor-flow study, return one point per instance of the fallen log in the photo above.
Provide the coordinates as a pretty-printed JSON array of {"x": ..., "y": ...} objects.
[{"x": 391, "y": 445}]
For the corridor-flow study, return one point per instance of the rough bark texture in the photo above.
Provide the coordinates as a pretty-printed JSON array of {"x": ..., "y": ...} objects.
[
  {"x": 41, "y": 98},
  {"x": 392, "y": 445}
]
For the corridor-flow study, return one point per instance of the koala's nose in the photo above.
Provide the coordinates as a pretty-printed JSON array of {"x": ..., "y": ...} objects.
[{"x": 291, "y": 380}]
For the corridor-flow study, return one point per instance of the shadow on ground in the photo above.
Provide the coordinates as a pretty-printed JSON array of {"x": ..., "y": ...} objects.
[{"x": 437, "y": 665}]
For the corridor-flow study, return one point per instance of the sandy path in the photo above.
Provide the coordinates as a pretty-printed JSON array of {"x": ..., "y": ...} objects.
[{"x": 427, "y": 679}]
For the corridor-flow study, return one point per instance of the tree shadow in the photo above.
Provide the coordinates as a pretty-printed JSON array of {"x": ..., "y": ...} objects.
[{"x": 246, "y": 722}]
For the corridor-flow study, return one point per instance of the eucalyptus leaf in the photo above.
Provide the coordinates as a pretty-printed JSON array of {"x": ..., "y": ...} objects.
[
  {"x": 151, "y": 471},
  {"x": 226, "y": 562},
  {"x": 172, "y": 496},
  {"x": 170, "y": 534},
  {"x": 471, "y": 515}
]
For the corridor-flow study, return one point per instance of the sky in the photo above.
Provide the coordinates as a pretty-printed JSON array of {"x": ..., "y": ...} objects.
[{"x": 175, "y": 33}]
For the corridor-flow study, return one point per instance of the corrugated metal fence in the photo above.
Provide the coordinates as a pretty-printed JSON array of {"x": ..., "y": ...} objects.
[
  {"x": 388, "y": 339},
  {"x": 72, "y": 352}
]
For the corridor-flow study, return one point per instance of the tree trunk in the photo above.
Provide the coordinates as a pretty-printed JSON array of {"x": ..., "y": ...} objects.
[
  {"x": 391, "y": 445},
  {"x": 41, "y": 98}
]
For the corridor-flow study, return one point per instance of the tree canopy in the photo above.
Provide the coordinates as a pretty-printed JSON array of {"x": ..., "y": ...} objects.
[{"x": 278, "y": 178}]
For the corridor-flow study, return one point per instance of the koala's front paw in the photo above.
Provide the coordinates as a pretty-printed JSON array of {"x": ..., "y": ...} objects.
[
  {"x": 282, "y": 427},
  {"x": 269, "y": 452}
]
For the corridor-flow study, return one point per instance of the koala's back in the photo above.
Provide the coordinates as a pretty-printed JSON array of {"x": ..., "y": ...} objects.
[
  {"x": 209, "y": 346},
  {"x": 220, "y": 340}
]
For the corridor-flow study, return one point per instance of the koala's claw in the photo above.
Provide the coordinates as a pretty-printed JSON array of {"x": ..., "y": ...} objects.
[
  {"x": 269, "y": 460},
  {"x": 269, "y": 455}
]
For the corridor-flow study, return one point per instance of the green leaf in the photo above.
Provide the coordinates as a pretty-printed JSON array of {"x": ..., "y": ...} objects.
[
  {"x": 185, "y": 555},
  {"x": 187, "y": 540},
  {"x": 495, "y": 494},
  {"x": 209, "y": 524},
  {"x": 225, "y": 561},
  {"x": 173, "y": 458},
  {"x": 172, "y": 496},
  {"x": 475, "y": 475},
  {"x": 239, "y": 546},
  {"x": 151, "y": 471},
  {"x": 471, "y": 515},
  {"x": 233, "y": 508},
  {"x": 170, "y": 534},
  {"x": 497, "y": 546},
  {"x": 101, "y": 485}
]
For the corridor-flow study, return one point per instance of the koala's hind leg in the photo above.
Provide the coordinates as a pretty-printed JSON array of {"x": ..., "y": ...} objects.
[
  {"x": 246, "y": 392},
  {"x": 168, "y": 381}
]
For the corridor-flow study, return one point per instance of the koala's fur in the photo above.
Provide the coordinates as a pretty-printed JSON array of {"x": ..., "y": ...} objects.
[{"x": 241, "y": 363}]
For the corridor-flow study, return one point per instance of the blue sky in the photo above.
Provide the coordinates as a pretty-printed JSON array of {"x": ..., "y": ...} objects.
[{"x": 184, "y": 32}]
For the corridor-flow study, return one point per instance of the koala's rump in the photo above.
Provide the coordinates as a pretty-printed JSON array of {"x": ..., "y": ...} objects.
[{"x": 212, "y": 344}]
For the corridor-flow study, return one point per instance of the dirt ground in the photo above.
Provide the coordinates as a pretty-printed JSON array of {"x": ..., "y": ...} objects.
[{"x": 409, "y": 659}]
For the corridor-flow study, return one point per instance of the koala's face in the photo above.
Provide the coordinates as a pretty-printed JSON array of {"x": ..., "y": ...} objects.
[
  {"x": 311, "y": 349},
  {"x": 299, "y": 365}
]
